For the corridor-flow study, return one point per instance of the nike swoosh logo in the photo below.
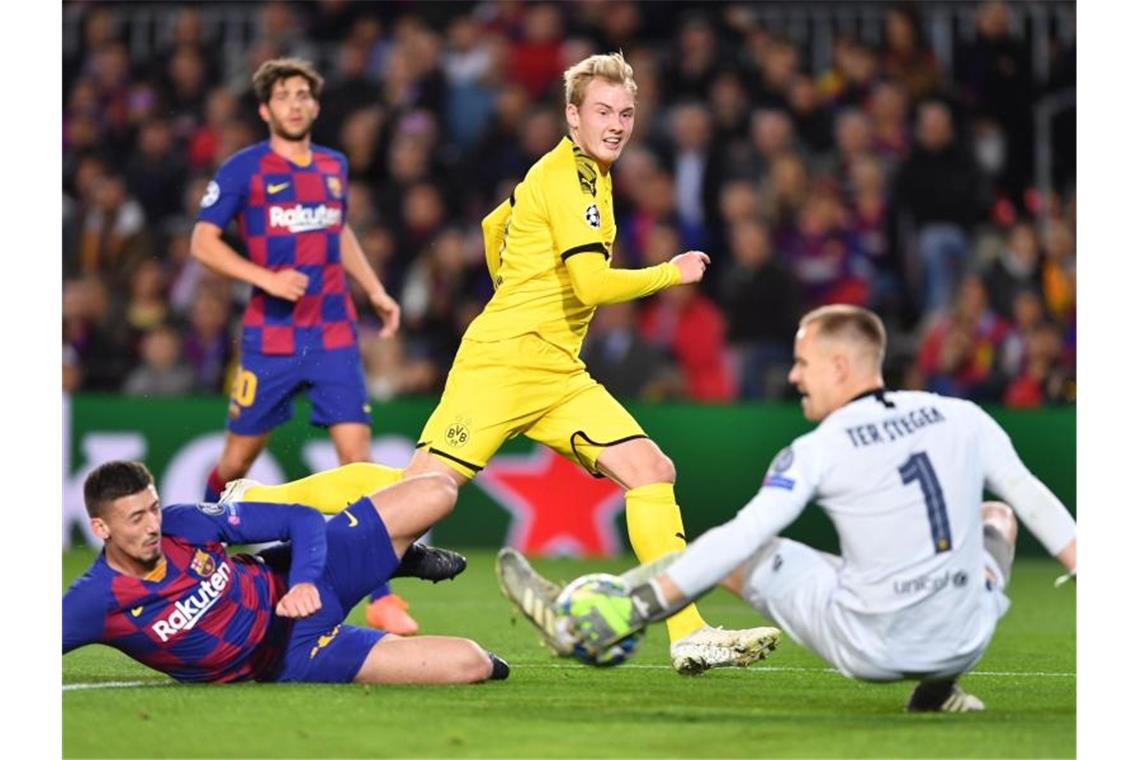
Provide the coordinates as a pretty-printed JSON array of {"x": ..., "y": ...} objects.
[
  {"x": 681, "y": 536},
  {"x": 135, "y": 612},
  {"x": 352, "y": 521},
  {"x": 277, "y": 188}
]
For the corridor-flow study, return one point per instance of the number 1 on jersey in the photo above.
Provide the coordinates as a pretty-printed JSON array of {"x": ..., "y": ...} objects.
[{"x": 918, "y": 468}]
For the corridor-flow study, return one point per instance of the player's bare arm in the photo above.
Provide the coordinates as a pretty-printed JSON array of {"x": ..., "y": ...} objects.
[
  {"x": 207, "y": 246},
  {"x": 356, "y": 265}
]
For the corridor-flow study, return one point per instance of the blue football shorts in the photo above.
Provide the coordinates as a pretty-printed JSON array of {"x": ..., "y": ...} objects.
[
  {"x": 321, "y": 648},
  {"x": 263, "y": 389}
]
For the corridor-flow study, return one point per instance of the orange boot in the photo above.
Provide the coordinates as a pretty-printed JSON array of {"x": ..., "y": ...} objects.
[{"x": 389, "y": 613}]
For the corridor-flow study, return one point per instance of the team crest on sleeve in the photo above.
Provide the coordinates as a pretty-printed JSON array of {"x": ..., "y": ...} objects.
[
  {"x": 593, "y": 216},
  {"x": 213, "y": 510},
  {"x": 203, "y": 564},
  {"x": 334, "y": 186},
  {"x": 213, "y": 192}
]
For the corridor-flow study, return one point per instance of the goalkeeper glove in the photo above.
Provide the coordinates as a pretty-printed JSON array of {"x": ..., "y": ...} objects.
[{"x": 601, "y": 621}]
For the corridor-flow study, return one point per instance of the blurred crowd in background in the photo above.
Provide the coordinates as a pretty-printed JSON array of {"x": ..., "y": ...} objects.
[{"x": 855, "y": 166}]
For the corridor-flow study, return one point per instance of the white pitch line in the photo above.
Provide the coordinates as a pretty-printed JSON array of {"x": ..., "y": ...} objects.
[
  {"x": 114, "y": 685},
  {"x": 629, "y": 666},
  {"x": 782, "y": 669}
]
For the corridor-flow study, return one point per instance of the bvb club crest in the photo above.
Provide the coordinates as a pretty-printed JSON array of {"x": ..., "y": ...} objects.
[
  {"x": 334, "y": 186},
  {"x": 458, "y": 433},
  {"x": 203, "y": 564}
]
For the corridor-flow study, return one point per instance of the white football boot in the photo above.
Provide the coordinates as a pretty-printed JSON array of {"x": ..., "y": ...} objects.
[
  {"x": 709, "y": 647},
  {"x": 235, "y": 489}
]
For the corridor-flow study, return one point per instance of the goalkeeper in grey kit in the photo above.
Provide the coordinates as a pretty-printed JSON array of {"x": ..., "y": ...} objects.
[{"x": 918, "y": 588}]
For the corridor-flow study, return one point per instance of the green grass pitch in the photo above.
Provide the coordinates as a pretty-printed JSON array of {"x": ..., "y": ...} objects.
[{"x": 789, "y": 705}]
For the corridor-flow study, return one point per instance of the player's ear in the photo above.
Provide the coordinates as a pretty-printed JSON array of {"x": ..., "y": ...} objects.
[
  {"x": 263, "y": 112},
  {"x": 842, "y": 365},
  {"x": 100, "y": 529},
  {"x": 572, "y": 115}
]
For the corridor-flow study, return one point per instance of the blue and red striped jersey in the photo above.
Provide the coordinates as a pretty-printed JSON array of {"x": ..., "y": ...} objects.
[
  {"x": 205, "y": 615},
  {"x": 289, "y": 217}
]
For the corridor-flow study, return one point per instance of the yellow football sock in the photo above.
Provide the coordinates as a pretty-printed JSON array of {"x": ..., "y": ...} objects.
[
  {"x": 332, "y": 490},
  {"x": 655, "y": 529}
]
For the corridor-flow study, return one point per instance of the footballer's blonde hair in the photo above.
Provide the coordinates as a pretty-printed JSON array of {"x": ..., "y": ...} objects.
[
  {"x": 854, "y": 324},
  {"x": 611, "y": 67}
]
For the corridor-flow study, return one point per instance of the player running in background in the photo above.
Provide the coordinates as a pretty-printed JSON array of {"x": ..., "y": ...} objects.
[
  {"x": 918, "y": 588},
  {"x": 518, "y": 370},
  {"x": 299, "y": 329},
  {"x": 165, "y": 592}
]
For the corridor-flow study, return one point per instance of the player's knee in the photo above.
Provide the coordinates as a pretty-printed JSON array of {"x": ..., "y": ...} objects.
[{"x": 474, "y": 664}]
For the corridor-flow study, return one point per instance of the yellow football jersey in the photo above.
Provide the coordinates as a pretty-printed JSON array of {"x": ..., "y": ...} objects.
[{"x": 563, "y": 207}]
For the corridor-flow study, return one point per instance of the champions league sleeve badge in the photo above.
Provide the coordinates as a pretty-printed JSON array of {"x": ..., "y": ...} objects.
[
  {"x": 213, "y": 192},
  {"x": 781, "y": 464},
  {"x": 593, "y": 216}
]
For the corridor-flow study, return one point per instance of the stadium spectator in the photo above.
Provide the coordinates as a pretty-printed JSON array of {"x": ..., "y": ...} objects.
[
  {"x": 812, "y": 121},
  {"x": 114, "y": 235},
  {"x": 757, "y": 338},
  {"x": 617, "y": 357},
  {"x": 1059, "y": 271},
  {"x": 995, "y": 79},
  {"x": 536, "y": 59},
  {"x": 783, "y": 194},
  {"x": 1045, "y": 380},
  {"x": 423, "y": 95},
  {"x": 690, "y": 73},
  {"x": 1017, "y": 267},
  {"x": 820, "y": 256},
  {"x": 938, "y": 189},
  {"x": 1028, "y": 313},
  {"x": 872, "y": 236},
  {"x": 390, "y": 371},
  {"x": 208, "y": 348},
  {"x": 439, "y": 282},
  {"x": 958, "y": 355},
  {"x": 162, "y": 371},
  {"x": 691, "y": 328},
  {"x": 351, "y": 87},
  {"x": 905, "y": 56},
  {"x": 469, "y": 65},
  {"x": 779, "y": 62},
  {"x": 98, "y": 340},
  {"x": 890, "y": 134},
  {"x": 156, "y": 173},
  {"x": 694, "y": 161},
  {"x": 853, "y": 73},
  {"x": 772, "y": 135}
]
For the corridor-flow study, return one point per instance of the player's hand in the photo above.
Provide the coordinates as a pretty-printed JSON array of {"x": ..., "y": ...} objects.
[
  {"x": 388, "y": 310},
  {"x": 301, "y": 601},
  {"x": 287, "y": 283},
  {"x": 692, "y": 265}
]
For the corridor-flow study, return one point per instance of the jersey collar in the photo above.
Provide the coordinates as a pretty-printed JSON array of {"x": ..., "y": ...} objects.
[{"x": 880, "y": 395}]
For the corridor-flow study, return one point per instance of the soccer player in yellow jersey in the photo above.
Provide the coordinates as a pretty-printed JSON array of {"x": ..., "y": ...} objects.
[{"x": 548, "y": 249}]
